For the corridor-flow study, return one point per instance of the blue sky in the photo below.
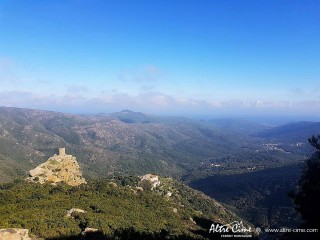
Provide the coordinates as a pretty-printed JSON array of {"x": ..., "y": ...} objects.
[{"x": 165, "y": 57}]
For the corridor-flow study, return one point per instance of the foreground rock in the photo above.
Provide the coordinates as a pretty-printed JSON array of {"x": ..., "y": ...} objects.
[
  {"x": 14, "y": 234},
  {"x": 59, "y": 168}
]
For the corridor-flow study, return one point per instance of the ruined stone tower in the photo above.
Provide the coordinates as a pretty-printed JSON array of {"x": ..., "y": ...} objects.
[
  {"x": 58, "y": 168},
  {"x": 62, "y": 151}
]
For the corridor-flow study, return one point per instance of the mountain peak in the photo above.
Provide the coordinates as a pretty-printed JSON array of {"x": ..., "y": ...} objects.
[
  {"x": 128, "y": 111},
  {"x": 58, "y": 168}
]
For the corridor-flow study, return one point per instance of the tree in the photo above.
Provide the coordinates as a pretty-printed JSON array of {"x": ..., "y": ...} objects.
[
  {"x": 315, "y": 141},
  {"x": 307, "y": 196}
]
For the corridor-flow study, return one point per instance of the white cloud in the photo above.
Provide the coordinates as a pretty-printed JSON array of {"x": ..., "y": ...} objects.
[
  {"x": 150, "y": 102},
  {"x": 160, "y": 100}
]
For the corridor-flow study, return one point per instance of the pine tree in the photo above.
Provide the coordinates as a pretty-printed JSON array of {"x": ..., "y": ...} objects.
[{"x": 307, "y": 196}]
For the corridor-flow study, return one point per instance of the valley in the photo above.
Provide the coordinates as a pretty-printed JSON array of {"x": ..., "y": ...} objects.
[
  {"x": 259, "y": 196},
  {"x": 248, "y": 167}
]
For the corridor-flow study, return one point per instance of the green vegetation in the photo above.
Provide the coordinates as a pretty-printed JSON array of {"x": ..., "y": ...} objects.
[
  {"x": 259, "y": 196},
  {"x": 105, "y": 144},
  {"x": 307, "y": 196},
  {"x": 206, "y": 154},
  {"x": 117, "y": 209}
]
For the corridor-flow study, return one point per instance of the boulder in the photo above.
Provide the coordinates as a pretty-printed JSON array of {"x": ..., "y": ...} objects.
[
  {"x": 74, "y": 210},
  {"x": 153, "y": 179},
  {"x": 14, "y": 234}
]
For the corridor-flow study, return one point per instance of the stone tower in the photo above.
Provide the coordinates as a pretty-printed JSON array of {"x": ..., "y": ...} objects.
[
  {"x": 62, "y": 151},
  {"x": 58, "y": 168}
]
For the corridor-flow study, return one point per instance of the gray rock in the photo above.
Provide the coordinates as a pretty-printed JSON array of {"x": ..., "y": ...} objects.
[{"x": 14, "y": 234}]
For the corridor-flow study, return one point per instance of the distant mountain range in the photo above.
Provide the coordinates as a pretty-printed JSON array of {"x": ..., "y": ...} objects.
[
  {"x": 128, "y": 142},
  {"x": 137, "y": 143},
  {"x": 298, "y": 131},
  {"x": 108, "y": 144},
  {"x": 239, "y": 125}
]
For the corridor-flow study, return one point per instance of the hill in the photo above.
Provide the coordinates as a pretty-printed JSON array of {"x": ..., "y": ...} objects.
[
  {"x": 239, "y": 125},
  {"x": 259, "y": 196},
  {"x": 58, "y": 168},
  {"x": 130, "y": 143},
  {"x": 116, "y": 208},
  {"x": 106, "y": 145},
  {"x": 293, "y": 136},
  {"x": 128, "y": 116},
  {"x": 298, "y": 131}
]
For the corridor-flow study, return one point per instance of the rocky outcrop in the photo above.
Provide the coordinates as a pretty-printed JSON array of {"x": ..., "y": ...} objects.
[
  {"x": 153, "y": 179},
  {"x": 59, "y": 168},
  {"x": 74, "y": 210},
  {"x": 88, "y": 230},
  {"x": 14, "y": 234}
]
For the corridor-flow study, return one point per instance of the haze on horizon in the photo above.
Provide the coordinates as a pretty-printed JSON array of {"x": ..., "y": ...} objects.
[{"x": 192, "y": 58}]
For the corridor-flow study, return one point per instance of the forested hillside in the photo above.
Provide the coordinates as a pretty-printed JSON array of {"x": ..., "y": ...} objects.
[
  {"x": 107, "y": 145},
  {"x": 201, "y": 153},
  {"x": 119, "y": 208}
]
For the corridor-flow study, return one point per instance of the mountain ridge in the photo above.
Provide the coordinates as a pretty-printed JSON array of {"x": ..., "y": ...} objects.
[
  {"x": 105, "y": 144},
  {"x": 297, "y": 130},
  {"x": 184, "y": 149},
  {"x": 109, "y": 142}
]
